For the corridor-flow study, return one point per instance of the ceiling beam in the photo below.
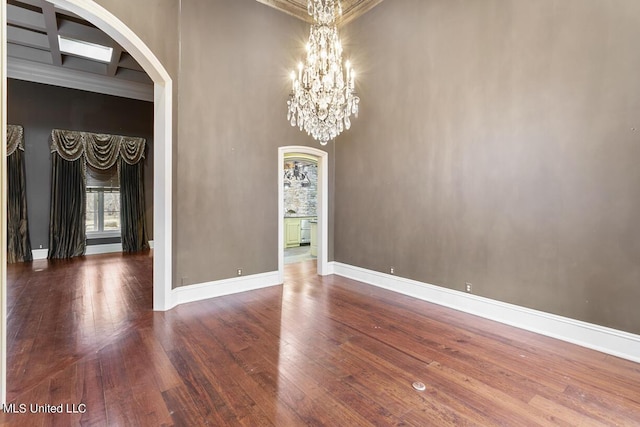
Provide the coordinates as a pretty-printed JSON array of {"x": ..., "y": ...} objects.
[
  {"x": 27, "y": 38},
  {"x": 28, "y": 53},
  {"x": 112, "y": 68},
  {"x": 57, "y": 76},
  {"x": 85, "y": 65},
  {"x": 36, "y": 3},
  {"x": 51, "y": 22},
  {"x": 25, "y": 18}
]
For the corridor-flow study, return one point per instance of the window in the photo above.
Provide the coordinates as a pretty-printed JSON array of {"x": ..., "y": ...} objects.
[
  {"x": 85, "y": 49},
  {"x": 103, "y": 210},
  {"x": 103, "y": 203}
]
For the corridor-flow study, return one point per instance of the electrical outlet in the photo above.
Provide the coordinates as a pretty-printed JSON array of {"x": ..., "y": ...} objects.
[
  {"x": 392, "y": 270},
  {"x": 40, "y": 246},
  {"x": 468, "y": 287},
  {"x": 183, "y": 281},
  {"x": 239, "y": 272}
]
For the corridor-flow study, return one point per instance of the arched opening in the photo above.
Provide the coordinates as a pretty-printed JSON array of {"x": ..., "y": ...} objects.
[
  {"x": 322, "y": 206},
  {"x": 112, "y": 26}
]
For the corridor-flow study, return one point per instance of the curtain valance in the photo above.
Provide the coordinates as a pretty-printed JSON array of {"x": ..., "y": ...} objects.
[
  {"x": 100, "y": 150},
  {"x": 15, "y": 140}
]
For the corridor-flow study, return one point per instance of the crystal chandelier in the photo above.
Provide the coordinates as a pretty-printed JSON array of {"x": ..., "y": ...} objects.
[{"x": 322, "y": 97}]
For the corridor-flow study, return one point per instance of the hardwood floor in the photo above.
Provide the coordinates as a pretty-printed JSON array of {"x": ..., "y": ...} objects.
[{"x": 315, "y": 351}]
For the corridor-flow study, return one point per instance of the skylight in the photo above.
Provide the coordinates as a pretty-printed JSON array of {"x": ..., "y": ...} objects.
[{"x": 85, "y": 49}]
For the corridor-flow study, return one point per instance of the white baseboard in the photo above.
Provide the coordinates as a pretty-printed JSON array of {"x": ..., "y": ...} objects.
[
  {"x": 90, "y": 250},
  {"x": 39, "y": 253},
  {"x": 103, "y": 249},
  {"x": 201, "y": 291},
  {"x": 331, "y": 267},
  {"x": 611, "y": 341}
]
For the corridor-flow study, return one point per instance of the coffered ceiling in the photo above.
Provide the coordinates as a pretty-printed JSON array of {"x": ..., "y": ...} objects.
[
  {"x": 351, "y": 9},
  {"x": 34, "y": 53}
]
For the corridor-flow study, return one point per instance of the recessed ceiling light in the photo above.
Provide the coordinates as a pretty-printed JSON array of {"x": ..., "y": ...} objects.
[{"x": 85, "y": 49}]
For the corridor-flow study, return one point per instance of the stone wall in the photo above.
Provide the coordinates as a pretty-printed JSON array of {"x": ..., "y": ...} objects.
[{"x": 300, "y": 187}]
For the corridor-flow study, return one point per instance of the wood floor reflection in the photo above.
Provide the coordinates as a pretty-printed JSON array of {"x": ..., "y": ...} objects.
[{"x": 315, "y": 351}]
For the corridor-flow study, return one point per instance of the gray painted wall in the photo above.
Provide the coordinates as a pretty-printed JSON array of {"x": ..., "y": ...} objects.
[
  {"x": 156, "y": 23},
  {"x": 498, "y": 144},
  {"x": 40, "y": 108},
  {"x": 231, "y": 60},
  {"x": 234, "y": 81}
]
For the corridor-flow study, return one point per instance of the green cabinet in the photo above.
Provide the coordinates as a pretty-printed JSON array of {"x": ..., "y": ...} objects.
[{"x": 291, "y": 232}]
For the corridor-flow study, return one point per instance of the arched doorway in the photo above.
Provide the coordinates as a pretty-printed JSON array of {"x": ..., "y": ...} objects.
[
  {"x": 322, "y": 206},
  {"x": 111, "y": 25}
]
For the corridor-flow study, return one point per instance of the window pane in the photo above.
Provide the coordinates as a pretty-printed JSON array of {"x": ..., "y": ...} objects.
[
  {"x": 112, "y": 211},
  {"x": 92, "y": 211}
]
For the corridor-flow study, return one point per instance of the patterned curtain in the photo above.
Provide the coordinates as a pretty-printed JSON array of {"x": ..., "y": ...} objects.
[
  {"x": 18, "y": 242},
  {"x": 132, "y": 219},
  {"x": 100, "y": 151},
  {"x": 67, "y": 233}
]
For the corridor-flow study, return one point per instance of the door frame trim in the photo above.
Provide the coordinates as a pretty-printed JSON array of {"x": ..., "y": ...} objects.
[{"x": 322, "y": 207}]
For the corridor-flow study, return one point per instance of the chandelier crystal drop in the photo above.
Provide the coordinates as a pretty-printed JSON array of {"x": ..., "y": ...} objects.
[{"x": 322, "y": 97}]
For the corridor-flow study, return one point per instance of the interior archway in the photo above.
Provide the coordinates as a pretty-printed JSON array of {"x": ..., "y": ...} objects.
[
  {"x": 116, "y": 29},
  {"x": 322, "y": 210}
]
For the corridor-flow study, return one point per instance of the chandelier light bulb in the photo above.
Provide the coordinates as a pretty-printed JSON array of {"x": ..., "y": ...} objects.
[{"x": 322, "y": 97}]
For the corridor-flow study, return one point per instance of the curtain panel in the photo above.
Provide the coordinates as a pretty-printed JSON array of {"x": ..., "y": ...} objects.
[
  {"x": 67, "y": 233},
  {"x": 132, "y": 220},
  {"x": 18, "y": 241},
  {"x": 68, "y": 208}
]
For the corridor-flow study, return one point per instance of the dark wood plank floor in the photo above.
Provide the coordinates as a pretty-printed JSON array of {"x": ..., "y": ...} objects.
[{"x": 315, "y": 351}]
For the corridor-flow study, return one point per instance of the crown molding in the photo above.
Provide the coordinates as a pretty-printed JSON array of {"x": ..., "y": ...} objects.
[
  {"x": 21, "y": 69},
  {"x": 352, "y": 9}
]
